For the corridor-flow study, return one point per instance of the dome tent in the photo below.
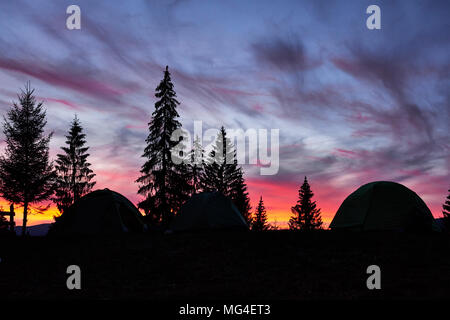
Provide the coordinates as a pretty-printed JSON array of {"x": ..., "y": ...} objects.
[
  {"x": 100, "y": 212},
  {"x": 208, "y": 210},
  {"x": 384, "y": 205}
]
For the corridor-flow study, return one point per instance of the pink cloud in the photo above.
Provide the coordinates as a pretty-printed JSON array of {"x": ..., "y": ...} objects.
[
  {"x": 62, "y": 76},
  {"x": 64, "y": 102}
]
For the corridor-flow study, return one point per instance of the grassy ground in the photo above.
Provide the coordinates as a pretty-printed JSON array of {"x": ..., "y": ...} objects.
[{"x": 272, "y": 265}]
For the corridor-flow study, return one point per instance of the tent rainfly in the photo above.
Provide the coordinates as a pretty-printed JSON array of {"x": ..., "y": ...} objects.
[
  {"x": 384, "y": 205},
  {"x": 100, "y": 212},
  {"x": 208, "y": 210}
]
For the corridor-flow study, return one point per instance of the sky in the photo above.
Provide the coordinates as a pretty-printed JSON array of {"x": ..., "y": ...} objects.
[{"x": 353, "y": 105}]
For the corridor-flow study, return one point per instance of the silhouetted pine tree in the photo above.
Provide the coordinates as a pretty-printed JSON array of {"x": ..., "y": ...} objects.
[
  {"x": 195, "y": 166},
  {"x": 259, "y": 222},
  {"x": 446, "y": 212},
  {"x": 240, "y": 196},
  {"x": 220, "y": 166},
  {"x": 306, "y": 216},
  {"x": 26, "y": 175},
  {"x": 181, "y": 188},
  {"x": 162, "y": 182},
  {"x": 222, "y": 174},
  {"x": 74, "y": 173}
]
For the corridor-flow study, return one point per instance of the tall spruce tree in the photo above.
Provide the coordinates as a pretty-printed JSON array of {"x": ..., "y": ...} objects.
[
  {"x": 220, "y": 166},
  {"x": 27, "y": 176},
  {"x": 446, "y": 212},
  {"x": 222, "y": 174},
  {"x": 195, "y": 163},
  {"x": 306, "y": 215},
  {"x": 240, "y": 196},
  {"x": 259, "y": 221},
  {"x": 74, "y": 175},
  {"x": 162, "y": 182}
]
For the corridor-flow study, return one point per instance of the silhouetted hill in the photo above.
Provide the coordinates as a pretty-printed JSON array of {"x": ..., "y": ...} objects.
[
  {"x": 38, "y": 230},
  {"x": 440, "y": 223},
  {"x": 228, "y": 265}
]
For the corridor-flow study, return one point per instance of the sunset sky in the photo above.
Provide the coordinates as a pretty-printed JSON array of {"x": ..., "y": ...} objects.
[{"x": 353, "y": 105}]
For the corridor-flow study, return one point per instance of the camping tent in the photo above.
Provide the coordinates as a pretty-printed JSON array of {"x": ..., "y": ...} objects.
[
  {"x": 208, "y": 210},
  {"x": 100, "y": 212},
  {"x": 384, "y": 205}
]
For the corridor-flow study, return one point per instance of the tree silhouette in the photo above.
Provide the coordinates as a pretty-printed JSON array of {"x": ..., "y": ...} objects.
[
  {"x": 195, "y": 159},
  {"x": 446, "y": 212},
  {"x": 306, "y": 216},
  {"x": 222, "y": 174},
  {"x": 161, "y": 181},
  {"x": 74, "y": 175},
  {"x": 240, "y": 196},
  {"x": 259, "y": 222},
  {"x": 26, "y": 175},
  {"x": 220, "y": 166}
]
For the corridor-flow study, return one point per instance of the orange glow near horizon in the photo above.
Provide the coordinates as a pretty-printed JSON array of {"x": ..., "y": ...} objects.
[
  {"x": 278, "y": 199},
  {"x": 277, "y": 214},
  {"x": 33, "y": 218}
]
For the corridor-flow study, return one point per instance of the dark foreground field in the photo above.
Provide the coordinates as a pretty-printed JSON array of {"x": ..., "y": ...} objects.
[{"x": 272, "y": 265}]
